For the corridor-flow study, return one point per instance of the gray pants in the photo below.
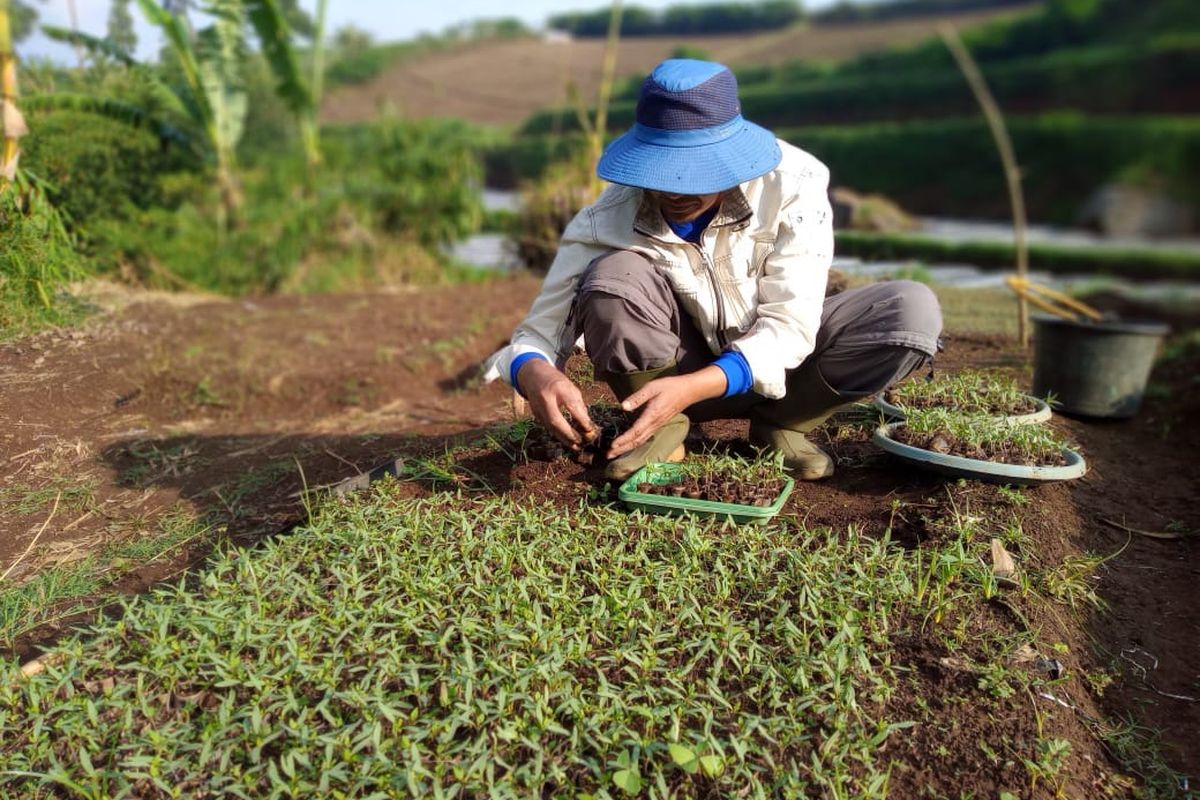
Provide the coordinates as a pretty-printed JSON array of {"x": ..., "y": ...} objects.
[{"x": 869, "y": 337}]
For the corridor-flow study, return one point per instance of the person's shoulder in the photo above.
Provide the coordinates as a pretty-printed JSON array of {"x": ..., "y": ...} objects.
[
  {"x": 614, "y": 203},
  {"x": 614, "y": 195},
  {"x": 800, "y": 167}
]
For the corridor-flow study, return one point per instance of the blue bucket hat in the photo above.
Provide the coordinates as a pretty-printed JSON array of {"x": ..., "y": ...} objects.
[{"x": 689, "y": 137}]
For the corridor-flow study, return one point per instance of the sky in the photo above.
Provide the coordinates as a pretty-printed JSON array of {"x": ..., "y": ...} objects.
[{"x": 387, "y": 20}]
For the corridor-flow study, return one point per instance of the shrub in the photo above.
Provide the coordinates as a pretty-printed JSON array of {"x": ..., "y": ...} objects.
[
  {"x": 1157, "y": 77},
  {"x": 712, "y": 18},
  {"x": 939, "y": 165},
  {"x": 420, "y": 178},
  {"x": 386, "y": 190},
  {"x": 36, "y": 259},
  {"x": 547, "y": 205},
  {"x": 952, "y": 164},
  {"x": 96, "y": 168}
]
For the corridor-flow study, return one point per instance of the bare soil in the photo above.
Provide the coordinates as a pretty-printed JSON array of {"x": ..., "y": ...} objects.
[
  {"x": 231, "y": 408},
  {"x": 502, "y": 83}
]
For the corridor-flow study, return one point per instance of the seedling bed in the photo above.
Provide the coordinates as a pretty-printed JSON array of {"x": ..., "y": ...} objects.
[
  {"x": 981, "y": 448},
  {"x": 946, "y": 442},
  {"x": 970, "y": 392}
]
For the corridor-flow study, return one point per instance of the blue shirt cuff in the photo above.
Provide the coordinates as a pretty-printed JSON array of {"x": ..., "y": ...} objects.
[
  {"x": 738, "y": 377},
  {"x": 519, "y": 362}
]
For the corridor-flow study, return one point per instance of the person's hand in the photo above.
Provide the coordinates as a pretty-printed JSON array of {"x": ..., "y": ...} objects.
[
  {"x": 549, "y": 391},
  {"x": 662, "y": 399}
]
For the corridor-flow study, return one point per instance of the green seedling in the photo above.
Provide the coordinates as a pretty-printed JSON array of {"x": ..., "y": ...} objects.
[
  {"x": 458, "y": 643},
  {"x": 988, "y": 438},
  {"x": 205, "y": 395},
  {"x": 973, "y": 392}
]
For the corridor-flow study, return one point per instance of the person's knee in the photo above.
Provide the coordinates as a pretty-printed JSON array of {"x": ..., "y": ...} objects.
[
  {"x": 917, "y": 308},
  {"x": 626, "y": 314},
  {"x": 620, "y": 272}
]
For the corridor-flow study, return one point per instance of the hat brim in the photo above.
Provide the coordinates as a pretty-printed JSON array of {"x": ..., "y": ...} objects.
[{"x": 701, "y": 169}]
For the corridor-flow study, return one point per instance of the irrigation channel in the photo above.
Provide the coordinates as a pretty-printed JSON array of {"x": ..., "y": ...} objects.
[{"x": 491, "y": 251}]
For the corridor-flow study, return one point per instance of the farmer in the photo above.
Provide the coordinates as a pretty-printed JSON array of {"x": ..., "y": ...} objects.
[{"x": 697, "y": 283}]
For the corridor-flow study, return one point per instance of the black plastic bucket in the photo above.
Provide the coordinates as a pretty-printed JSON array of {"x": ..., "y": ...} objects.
[{"x": 1096, "y": 369}]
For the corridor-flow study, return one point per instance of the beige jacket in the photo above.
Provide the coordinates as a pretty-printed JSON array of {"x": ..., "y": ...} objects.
[{"x": 755, "y": 284}]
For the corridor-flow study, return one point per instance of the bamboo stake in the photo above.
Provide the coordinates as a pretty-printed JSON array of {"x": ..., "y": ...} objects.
[
  {"x": 1012, "y": 171},
  {"x": 12, "y": 124},
  {"x": 74, "y": 14},
  {"x": 608, "y": 72}
]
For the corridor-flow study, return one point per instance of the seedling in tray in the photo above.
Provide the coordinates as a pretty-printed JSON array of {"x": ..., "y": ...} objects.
[
  {"x": 982, "y": 438},
  {"x": 724, "y": 479},
  {"x": 974, "y": 392},
  {"x": 726, "y": 487}
]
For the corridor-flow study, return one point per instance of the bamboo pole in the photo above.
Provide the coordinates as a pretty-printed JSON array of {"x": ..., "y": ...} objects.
[
  {"x": 74, "y": 14},
  {"x": 12, "y": 124},
  {"x": 608, "y": 72},
  {"x": 1012, "y": 171}
]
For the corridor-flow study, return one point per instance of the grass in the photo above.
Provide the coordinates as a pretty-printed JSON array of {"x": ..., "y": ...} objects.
[
  {"x": 66, "y": 590},
  {"x": 73, "y": 493},
  {"x": 37, "y": 260},
  {"x": 414, "y": 646}
]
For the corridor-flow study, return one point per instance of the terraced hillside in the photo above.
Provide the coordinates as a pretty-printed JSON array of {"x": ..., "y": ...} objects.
[{"x": 503, "y": 82}]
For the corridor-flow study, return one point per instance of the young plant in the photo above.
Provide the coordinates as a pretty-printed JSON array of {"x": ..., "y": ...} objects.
[
  {"x": 985, "y": 438},
  {"x": 966, "y": 392},
  {"x": 726, "y": 479}
]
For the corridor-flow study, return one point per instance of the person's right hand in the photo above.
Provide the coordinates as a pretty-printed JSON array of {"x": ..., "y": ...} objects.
[{"x": 549, "y": 391}]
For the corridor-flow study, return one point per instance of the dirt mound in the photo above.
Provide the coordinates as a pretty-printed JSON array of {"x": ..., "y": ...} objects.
[{"x": 502, "y": 83}]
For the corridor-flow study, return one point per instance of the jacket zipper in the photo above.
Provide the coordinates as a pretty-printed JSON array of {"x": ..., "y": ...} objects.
[{"x": 722, "y": 339}]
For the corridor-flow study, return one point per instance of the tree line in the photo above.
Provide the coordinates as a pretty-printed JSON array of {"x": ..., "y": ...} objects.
[{"x": 717, "y": 18}]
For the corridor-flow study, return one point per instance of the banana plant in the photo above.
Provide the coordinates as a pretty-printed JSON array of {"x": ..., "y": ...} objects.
[
  {"x": 12, "y": 125},
  {"x": 301, "y": 98},
  {"x": 212, "y": 94}
]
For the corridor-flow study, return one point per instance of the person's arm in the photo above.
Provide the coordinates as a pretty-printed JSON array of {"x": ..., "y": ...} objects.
[
  {"x": 528, "y": 363},
  {"x": 549, "y": 391},
  {"x": 663, "y": 398},
  {"x": 543, "y": 330},
  {"x": 791, "y": 289}
]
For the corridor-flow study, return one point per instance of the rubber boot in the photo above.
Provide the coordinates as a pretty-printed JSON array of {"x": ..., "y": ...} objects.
[
  {"x": 781, "y": 425},
  {"x": 666, "y": 445}
]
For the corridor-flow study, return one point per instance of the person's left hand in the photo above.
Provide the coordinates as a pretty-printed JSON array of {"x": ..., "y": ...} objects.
[{"x": 662, "y": 399}]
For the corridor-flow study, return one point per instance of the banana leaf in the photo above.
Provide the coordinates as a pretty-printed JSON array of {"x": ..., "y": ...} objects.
[
  {"x": 93, "y": 44},
  {"x": 275, "y": 36}
]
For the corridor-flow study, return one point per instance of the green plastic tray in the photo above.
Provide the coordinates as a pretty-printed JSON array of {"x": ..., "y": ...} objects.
[{"x": 660, "y": 504}]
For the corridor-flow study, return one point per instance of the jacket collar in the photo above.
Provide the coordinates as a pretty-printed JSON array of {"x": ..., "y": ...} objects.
[{"x": 734, "y": 210}]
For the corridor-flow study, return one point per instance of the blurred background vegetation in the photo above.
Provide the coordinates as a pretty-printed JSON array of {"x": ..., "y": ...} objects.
[{"x": 258, "y": 152}]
